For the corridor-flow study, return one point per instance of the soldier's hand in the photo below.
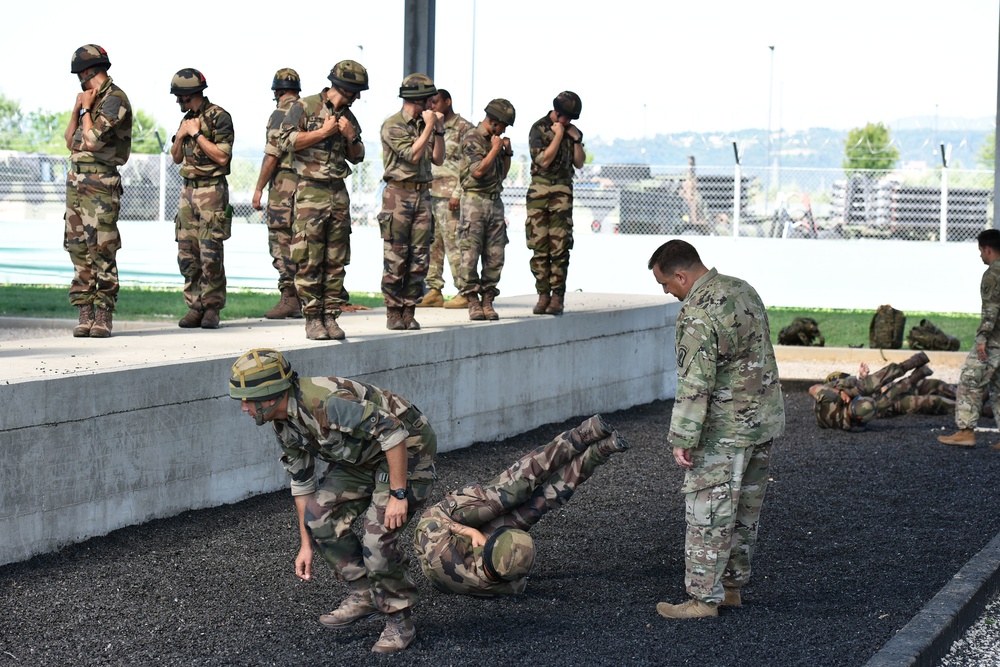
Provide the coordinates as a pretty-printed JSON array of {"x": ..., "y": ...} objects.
[
  {"x": 256, "y": 200},
  {"x": 559, "y": 129},
  {"x": 346, "y": 128},
  {"x": 454, "y": 204},
  {"x": 190, "y": 127},
  {"x": 331, "y": 126},
  {"x": 78, "y": 104},
  {"x": 981, "y": 351},
  {"x": 304, "y": 564},
  {"x": 87, "y": 98},
  {"x": 506, "y": 144},
  {"x": 863, "y": 371},
  {"x": 573, "y": 132},
  {"x": 496, "y": 142},
  {"x": 683, "y": 457},
  {"x": 395, "y": 513},
  {"x": 429, "y": 116}
]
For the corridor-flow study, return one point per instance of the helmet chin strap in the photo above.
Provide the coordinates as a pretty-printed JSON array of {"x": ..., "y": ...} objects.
[
  {"x": 259, "y": 409},
  {"x": 266, "y": 415}
]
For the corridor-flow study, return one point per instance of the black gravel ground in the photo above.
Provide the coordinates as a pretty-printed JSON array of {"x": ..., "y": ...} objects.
[{"x": 859, "y": 531}]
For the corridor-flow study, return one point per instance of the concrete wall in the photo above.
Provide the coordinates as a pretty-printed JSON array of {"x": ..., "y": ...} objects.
[{"x": 87, "y": 453}]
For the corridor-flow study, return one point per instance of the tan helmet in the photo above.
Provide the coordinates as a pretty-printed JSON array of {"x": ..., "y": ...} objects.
[
  {"x": 188, "y": 81},
  {"x": 349, "y": 75},
  {"x": 417, "y": 87},
  {"x": 260, "y": 374},
  {"x": 87, "y": 56},
  {"x": 568, "y": 103},
  {"x": 834, "y": 376},
  {"x": 508, "y": 554},
  {"x": 862, "y": 409},
  {"x": 501, "y": 111},
  {"x": 286, "y": 79}
]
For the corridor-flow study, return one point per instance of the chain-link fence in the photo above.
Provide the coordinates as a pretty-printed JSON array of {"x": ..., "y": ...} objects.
[{"x": 913, "y": 204}]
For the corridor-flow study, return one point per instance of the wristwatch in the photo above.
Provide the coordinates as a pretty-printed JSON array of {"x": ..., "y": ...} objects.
[
  {"x": 196, "y": 135},
  {"x": 399, "y": 494}
]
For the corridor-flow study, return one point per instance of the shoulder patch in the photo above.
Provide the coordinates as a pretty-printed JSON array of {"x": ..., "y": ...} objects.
[
  {"x": 111, "y": 106},
  {"x": 345, "y": 413}
]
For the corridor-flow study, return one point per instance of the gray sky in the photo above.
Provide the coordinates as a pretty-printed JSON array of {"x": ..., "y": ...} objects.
[{"x": 640, "y": 67}]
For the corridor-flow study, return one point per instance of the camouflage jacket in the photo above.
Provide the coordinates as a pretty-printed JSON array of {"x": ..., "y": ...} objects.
[
  {"x": 989, "y": 290},
  {"x": 325, "y": 160},
  {"x": 445, "y": 183},
  {"x": 475, "y": 146},
  {"x": 539, "y": 138},
  {"x": 449, "y": 561},
  {"x": 831, "y": 410},
  {"x": 217, "y": 126},
  {"x": 728, "y": 390},
  {"x": 337, "y": 420},
  {"x": 271, "y": 147},
  {"x": 399, "y": 132},
  {"x": 111, "y": 132}
]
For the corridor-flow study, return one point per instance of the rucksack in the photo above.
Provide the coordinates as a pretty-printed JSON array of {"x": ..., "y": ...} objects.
[
  {"x": 927, "y": 336},
  {"x": 886, "y": 330},
  {"x": 802, "y": 331}
]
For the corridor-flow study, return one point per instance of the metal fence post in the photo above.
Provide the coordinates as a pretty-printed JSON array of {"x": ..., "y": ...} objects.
[
  {"x": 944, "y": 196},
  {"x": 163, "y": 186},
  {"x": 737, "y": 191}
]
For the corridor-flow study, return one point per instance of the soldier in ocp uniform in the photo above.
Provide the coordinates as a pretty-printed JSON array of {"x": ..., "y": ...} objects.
[
  {"x": 203, "y": 146},
  {"x": 323, "y": 136},
  {"x": 482, "y": 232},
  {"x": 412, "y": 139},
  {"x": 379, "y": 453},
  {"x": 276, "y": 172},
  {"x": 99, "y": 139},
  {"x": 557, "y": 150}
]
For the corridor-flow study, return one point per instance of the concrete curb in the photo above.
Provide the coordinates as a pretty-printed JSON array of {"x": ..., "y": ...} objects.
[
  {"x": 59, "y": 323},
  {"x": 928, "y": 637}
]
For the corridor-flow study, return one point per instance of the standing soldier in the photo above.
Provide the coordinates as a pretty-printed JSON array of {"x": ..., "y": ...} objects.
[
  {"x": 412, "y": 139},
  {"x": 483, "y": 230},
  {"x": 277, "y": 171},
  {"x": 204, "y": 144},
  {"x": 323, "y": 135},
  {"x": 99, "y": 139},
  {"x": 556, "y": 150},
  {"x": 445, "y": 198}
]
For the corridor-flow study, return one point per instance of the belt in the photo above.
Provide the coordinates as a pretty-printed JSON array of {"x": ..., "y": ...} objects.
[
  {"x": 484, "y": 195},
  {"x": 203, "y": 182},
  {"x": 551, "y": 181},
  {"x": 408, "y": 185},
  {"x": 332, "y": 183},
  {"x": 94, "y": 168}
]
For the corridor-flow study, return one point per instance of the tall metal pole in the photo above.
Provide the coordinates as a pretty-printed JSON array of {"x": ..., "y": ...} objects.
[
  {"x": 418, "y": 37},
  {"x": 996, "y": 151},
  {"x": 472, "y": 86},
  {"x": 767, "y": 163}
]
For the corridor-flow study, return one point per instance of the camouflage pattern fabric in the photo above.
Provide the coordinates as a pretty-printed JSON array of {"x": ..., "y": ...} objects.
[
  {"x": 976, "y": 375},
  {"x": 928, "y": 336},
  {"x": 399, "y": 132},
  {"x": 445, "y": 244},
  {"x": 349, "y": 425},
  {"x": 446, "y": 183},
  {"x": 407, "y": 228},
  {"x": 217, "y": 126},
  {"x": 111, "y": 130},
  {"x": 886, "y": 328},
  {"x": 482, "y": 235},
  {"x": 321, "y": 245},
  {"x": 549, "y": 225},
  {"x": 542, "y": 480},
  {"x": 203, "y": 222},
  {"x": 802, "y": 331},
  {"x": 281, "y": 198},
  {"x": 325, "y": 160}
]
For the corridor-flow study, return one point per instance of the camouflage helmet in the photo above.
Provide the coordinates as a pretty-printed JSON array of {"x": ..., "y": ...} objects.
[
  {"x": 286, "y": 79},
  {"x": 834, "y": 376},
  {"x": 862, "y": 409},
  {"x": 501, "y": 111},
  {"x": 508, "y": 554},
  {"x": 568, "y": 104},
  {"x": 349, "y": 75},
  {"x": 87, "y": 56},
  {"x": 188, "y": 81},
  {"x": 260, "y": 374},
  {"x": 417, "y": 87}
]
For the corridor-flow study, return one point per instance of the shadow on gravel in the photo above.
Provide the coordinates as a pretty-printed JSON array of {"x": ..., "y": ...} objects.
[{"x": 859, "y": 531}]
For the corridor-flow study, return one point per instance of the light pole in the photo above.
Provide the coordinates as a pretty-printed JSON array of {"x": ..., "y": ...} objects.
[
  {"x": 770, "y": 104},
  {"x": 472, "y": 87}
]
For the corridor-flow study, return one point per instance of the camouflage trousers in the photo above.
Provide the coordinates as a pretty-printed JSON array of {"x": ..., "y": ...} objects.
[
  {"x": 407, "y": 229},
  {"x": 482, "y": 235},
  {"x": 321, "y": 245},
  {"x": 280, "y": 213},
  {"x": 549, "y": 231},
  {"x": 976, "y": 376},
  {"x": 91, "y": 236},
  {"x": 351, "y": 491},
  {"x": 444, "y": 245},
  {"x": 202, "y": 223},
  {"x": 723, "y": 497},
  {"x": 911, "y": 404}
]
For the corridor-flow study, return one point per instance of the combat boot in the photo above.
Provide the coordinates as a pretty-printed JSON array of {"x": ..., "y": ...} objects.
[
  {"x": 916, "y": 361},
  {"x": 192, "y": 320},
  {"x": 102, "y": 324},
  {"x": 964, "y": 437},
  {"x": 612, "y": 444},
  {"x": 690, "y": 609},
  {"x": 913, "y": 379},
  {"x": 398, "y": 634},
  {"x": 476, "y": 313},
  {"x": 357, "y": 606},
  {"x": 433, "y": 299},
  {"x": 409, "y": 318},
  {"x": 594, "y": 430},
  {"x": 85, "y": 322},
  {"x": 210, "y": 320},
  {"x": 332, "y": 328},
  {"x": 488, "y": 310},
  {"x": 287, "y": 306},
  {"x": 555, "y": 306},
  {"x": 457, "y": 302},
  {"x": 394, "y": 319},
  {"x": 732, "y": 599},
  {"x": 315, "y": 329},
  {"x": 543, "y": 303}
]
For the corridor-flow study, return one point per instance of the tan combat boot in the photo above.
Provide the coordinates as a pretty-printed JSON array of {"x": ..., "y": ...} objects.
[
  {"x": 315, "y": 329},
  {"x": 398, "y": 634},
  {"x": 476, "y": 313},
  {"x": 357, "y": 606},
  {"x": 457, "y": 302},
  {"x": 332, "y": 328},
  {"x": 409, "y": 318},
  {"x": 690, "y": 609},
  {"x": 210, "y": 320},
  {"x": 916, "y": 361},
  {"x": 732, "y": 599},
  {"x": 964, "y": 437},
  {"x": 543, "y": 303},
  {"x": 287, "y": 306},
  {"x": 433, "y": 299},
  {"x": 85, "y": 322},
  {"x": 102, "y": 324},
  {"x": 488, "y": 309},
  {"x": 555, "y": 306},
  {"x": 394, "y": 319},
  {"x": 192, "y": 320}
]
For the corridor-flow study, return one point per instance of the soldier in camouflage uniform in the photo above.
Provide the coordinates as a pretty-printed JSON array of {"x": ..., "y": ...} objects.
[
  {"x": 379, "y": 453},
  {"x": 323, "y": 135},
  {"x": 980, "y": 368},
  {"x": 727, "y": 412},
  {"x": 203, "y": 146},
  {"x": 412, "y": 139},
  {"x": 482, "y": 233},
  {"x": 99, "y": 139},
  {"x": 475, "y": 541},
  {"x": 445, "y": 200},
  {"x": 557, "y": 150},
  {"x": 276, "y": 172}
]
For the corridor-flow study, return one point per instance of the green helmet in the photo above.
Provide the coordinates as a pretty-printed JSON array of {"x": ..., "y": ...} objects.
[
  {"x": 862, "y": 409},
  {"x": 417, "y": 87},
  {"x": 501, "y": 111},
  {"x": 286, "y": 79},
  {"x": 188, "y": 81},
  {"x": 87, "y": 56},
  {"x": 349, "y": 75},
  {"x": 260, "y": 374},
  {"x": 568, "y": 104},
  {"x": 508, "y": 554}
]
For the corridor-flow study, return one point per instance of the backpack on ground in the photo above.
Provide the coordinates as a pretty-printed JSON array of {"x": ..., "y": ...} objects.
[
  {"x": 802, "y": 331},
  {"x": 886, "y": 330},
  {"x": 927, "y": 336}
]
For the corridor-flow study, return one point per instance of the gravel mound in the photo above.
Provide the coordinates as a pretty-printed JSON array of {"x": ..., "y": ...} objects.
[{"x": 859, "y": 531}]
